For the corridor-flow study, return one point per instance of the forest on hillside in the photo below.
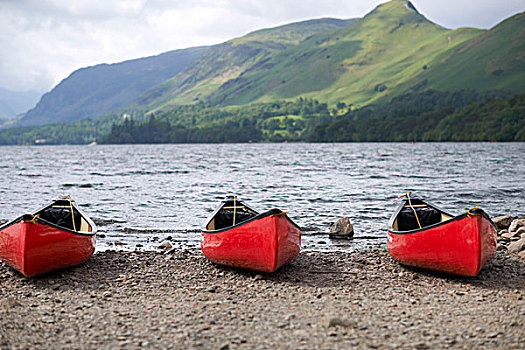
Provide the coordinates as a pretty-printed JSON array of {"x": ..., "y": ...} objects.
[
  {"x": 429, "y": 116},
  {"x": 426, "y": 116}
]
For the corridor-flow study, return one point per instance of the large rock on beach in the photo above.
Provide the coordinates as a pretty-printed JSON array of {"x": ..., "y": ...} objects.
[
  {"x": 502, "y": 222},
  {"x": 342, "y": 228},
  {"x": 516, "y": 225},
  {"x": 517, "y": 247}
]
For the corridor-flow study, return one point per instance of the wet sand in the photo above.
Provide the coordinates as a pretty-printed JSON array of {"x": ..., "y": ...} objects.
[{"x": 332, "y": 300}]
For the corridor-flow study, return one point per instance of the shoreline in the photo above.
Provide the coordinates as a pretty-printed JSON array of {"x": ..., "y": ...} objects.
[{"x": 335, "y": 300}]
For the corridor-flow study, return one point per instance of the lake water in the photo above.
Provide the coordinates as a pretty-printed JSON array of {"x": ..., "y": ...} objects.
[{"x": 142, "y": 195}]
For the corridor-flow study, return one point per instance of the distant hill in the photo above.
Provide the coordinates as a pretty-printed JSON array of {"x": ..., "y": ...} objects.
[
  {"x": 13, "y": 103},
  {"x": 92, "y": 92}
]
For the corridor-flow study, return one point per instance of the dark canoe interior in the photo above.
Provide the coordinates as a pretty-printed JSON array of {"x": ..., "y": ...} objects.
[
  {"x": 427, "y": 215},
  {"x": 59, "y": 214},
  {"x": 225, "y": 215}
]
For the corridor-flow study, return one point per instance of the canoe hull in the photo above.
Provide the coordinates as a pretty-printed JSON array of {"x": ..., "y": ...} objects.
[
  {"x": 34, "y": 248},
  {"x": 263, "y": 244},
  {"x": 461, "y": 245}
]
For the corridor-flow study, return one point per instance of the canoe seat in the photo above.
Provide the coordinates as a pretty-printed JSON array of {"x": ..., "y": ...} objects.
[
  {"x": 406, "y": 220},
  {"x": 224, "y": 217},
  {"x": 61, "y": 217}
]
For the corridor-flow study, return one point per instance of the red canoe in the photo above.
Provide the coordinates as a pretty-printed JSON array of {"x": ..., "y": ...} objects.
[
  {"x": 422, "y": 235},
  {"x": 236, "y": 235},
  {"x": 49, "y": 239}
]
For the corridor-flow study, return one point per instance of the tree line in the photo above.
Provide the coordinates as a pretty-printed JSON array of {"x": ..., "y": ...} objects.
[
  {"x": 425, "y": 116},
  {"x": 431, "y": 116}
]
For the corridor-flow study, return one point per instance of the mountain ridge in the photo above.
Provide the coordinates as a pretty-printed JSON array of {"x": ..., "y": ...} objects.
[
  {"x": 228, "y": 60},
  {"x": 91, "y": 92},
  {"x": 359, "y": 56},
  {"x": 392, "y": 50},
  {"x": 345, "y": 63}
]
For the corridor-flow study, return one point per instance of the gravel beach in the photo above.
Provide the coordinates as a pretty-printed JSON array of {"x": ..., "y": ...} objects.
[{"x": 325, "y": 300}]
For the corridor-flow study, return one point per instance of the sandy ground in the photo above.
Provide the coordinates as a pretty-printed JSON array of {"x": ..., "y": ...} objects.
[{"x": 319, "y": 301}]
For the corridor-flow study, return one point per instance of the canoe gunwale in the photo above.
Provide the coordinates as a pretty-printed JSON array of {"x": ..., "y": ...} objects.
[
  {"x": 391, "y": 230},
  {"x": 93, "y": 232},
  {"x": 257, "y": 217},
  {"x": 65, "y": 229}
]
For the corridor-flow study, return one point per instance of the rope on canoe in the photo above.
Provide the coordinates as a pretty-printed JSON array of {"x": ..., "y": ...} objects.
[
  {"x": 72, "y": 214},
  {"x": 470, "y": 213},
  {"x": 234, "y": 209},
  {"x": 30, "y": 221},
  {"x": 234, "y": 206},
  {"x": 410, "y": 204}
]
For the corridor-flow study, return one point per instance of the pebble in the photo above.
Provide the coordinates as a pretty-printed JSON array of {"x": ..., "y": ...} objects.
[
  {"x": 516, "y": 246},
  {"x": 165, "y": 245},
  {"x": 509, "y": 235},
  {"x": 8, "y": 303},
  {"x": 336, "y": 321}
]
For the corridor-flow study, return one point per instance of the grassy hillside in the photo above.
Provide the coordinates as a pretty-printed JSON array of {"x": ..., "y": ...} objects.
[
  {"x": 229, "y": 60},
  {"x": 492, "y": 60},
  {"x": 359, "y": 63}
]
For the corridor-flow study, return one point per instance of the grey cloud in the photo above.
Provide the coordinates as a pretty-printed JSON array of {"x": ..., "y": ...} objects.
[{"x": 43, "y": 41}]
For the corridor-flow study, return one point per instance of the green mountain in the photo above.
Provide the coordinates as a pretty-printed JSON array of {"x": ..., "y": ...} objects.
[
  {"x": 358, "y": 63},
  {"x": 492, "y": 60},
  {"x": 94, "y": 91},
  {"x": 383, "y": 53},
  {"x": 226, "y": 62}
]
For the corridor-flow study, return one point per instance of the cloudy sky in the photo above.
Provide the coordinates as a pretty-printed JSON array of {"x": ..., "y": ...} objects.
[{"x": 43, "y": 41}]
